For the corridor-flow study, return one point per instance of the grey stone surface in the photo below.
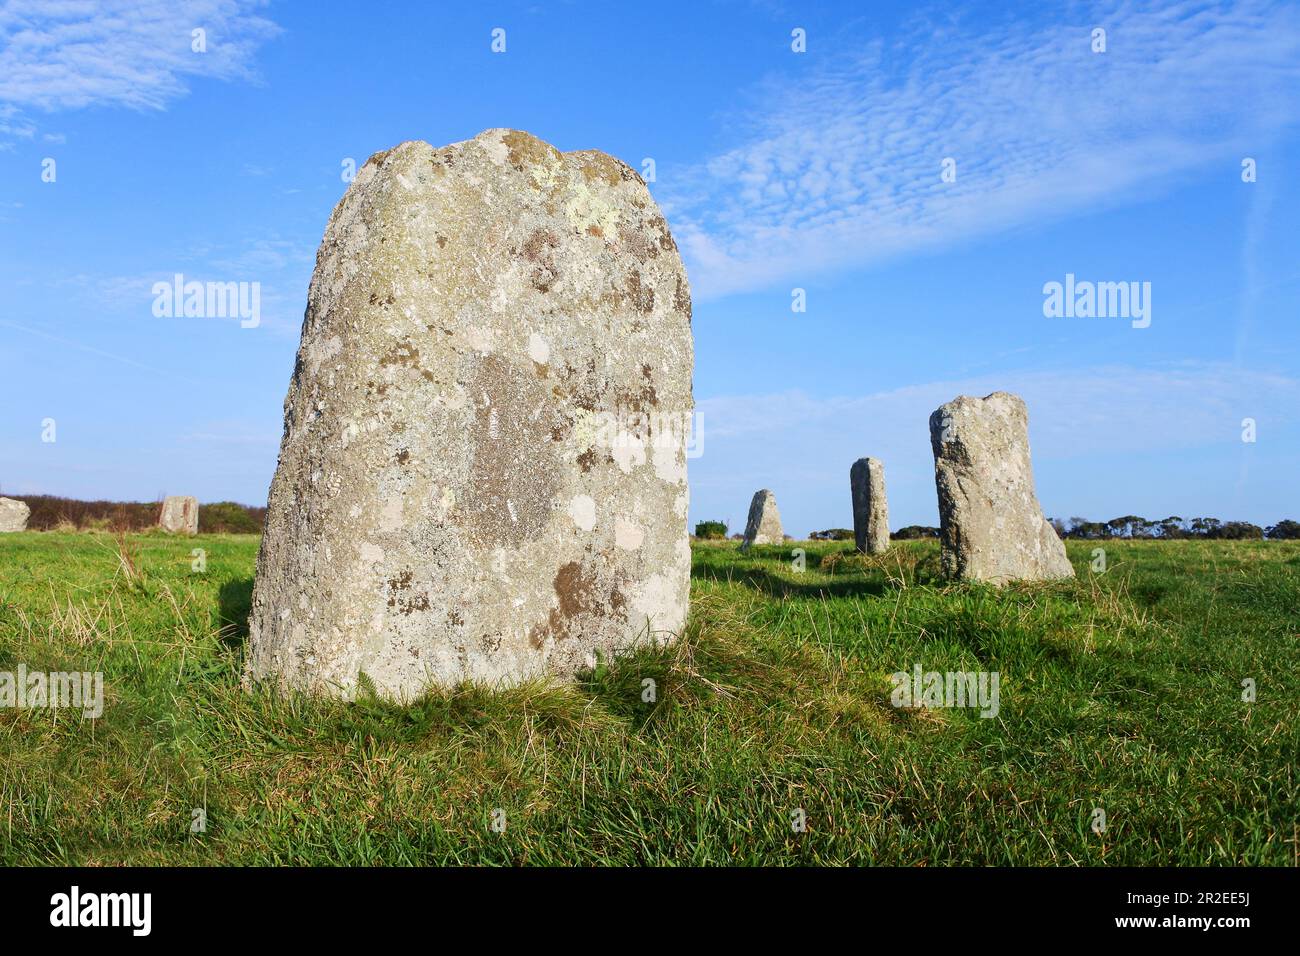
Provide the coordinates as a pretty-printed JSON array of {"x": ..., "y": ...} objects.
[
  {"x": 180, "y": 514},
  {"x": 764, "y": 524},
  {"x": 991, "y": 525},
  {"x": 870, "y": 509},
  {"x": 13, "y": 515},
  {"x": 483, "y": 469}
]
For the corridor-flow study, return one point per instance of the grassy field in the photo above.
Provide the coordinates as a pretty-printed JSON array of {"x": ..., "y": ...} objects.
[{"x": 1120, "y": 691}]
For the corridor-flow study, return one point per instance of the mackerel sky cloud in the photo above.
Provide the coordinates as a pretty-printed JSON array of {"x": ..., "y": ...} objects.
[
  {"x": 70, "y": 55},
  {"x": 841, "y": 165}
]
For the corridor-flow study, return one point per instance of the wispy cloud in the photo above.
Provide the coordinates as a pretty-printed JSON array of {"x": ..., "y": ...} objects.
[
  {"x": 842, "y": 167},
  {"x": 281, "y": 268},
  {"x": 82, "y": 347},
  {"x": 138, "y": 54},
  {"x": 234, "y": 433},
  {"x": 266, "y": 254},
  {"x": 1074, "y": 412}
]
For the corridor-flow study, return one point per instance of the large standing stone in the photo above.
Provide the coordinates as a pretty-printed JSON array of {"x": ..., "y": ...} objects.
[
  {"x": 483, "y": 469},
  {"x": 13, "y": 514},
  {"x": 764, "y": 524},
  {"x": 870, "y": 510},
  {"x": 990, "y": 522},
  {"x": 180, "y": 514}
]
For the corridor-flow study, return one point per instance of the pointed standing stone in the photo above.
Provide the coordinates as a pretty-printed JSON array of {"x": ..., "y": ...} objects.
[
  {"x": 13, "y": 514},
  {"x": 990, "y": 522},
  {"x": 483, "y": 469},
  {"x": 180, "y": 514},
  {"x": 870, "y": 509},
  {"x": 764, "y": 524}
]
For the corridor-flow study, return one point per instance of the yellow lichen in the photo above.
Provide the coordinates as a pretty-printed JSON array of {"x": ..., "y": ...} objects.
[
  {"x": 598, "y": 165},
  {"x": 525, "y": 149},
  {"x": 586, "y": 208}
]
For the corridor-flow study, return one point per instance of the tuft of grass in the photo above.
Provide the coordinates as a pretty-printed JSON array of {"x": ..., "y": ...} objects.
[
  {"x": 128, "y": 559},
  {"x": 1120, "y": 691}
]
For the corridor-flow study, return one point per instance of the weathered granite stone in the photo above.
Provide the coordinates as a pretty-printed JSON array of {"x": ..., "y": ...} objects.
[
  {"x": 483, "y": 469},
  {"x": 991, "y": 525},
  {"x": 870, "y": 510},
  {"x": 764, "y": 524},
  {"x": 13, "y": 514},
  {"x": 180, "y": 514}
]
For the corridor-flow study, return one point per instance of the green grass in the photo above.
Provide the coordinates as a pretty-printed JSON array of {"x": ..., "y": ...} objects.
[{"x": 1119, "y": 690}]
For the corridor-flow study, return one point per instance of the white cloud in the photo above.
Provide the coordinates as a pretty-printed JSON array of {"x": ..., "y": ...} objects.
[
  {"x": 843, "y": 169},
  {"x": 17, "y": 128},
  {"x": 132, "y": 53}
]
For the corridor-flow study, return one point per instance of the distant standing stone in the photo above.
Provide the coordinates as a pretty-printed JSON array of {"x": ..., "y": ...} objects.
[
  {"x": 483, "y": 470},
  {"x": 870, "y": 509},
  {"x": 764, "y": 524},
  {"x": 13, "y": 514},
  {"x": 991, "y": 525},
  {"x": 180, "y": 514}
]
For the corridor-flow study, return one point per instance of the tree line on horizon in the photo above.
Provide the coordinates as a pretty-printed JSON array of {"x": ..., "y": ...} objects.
[{"x": 1173, "y": 528}]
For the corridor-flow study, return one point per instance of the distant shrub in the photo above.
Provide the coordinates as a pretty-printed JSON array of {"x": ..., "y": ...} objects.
[
  {"x": 227, "y": 517},
  {"x": 1240, "y": 530},
  {"x": 50, "y": 512},
  {"x": 1285, "y": 529},
  {"x": 832, "y": 534},
  {"x": 711, "y": 530},
  {"x": 913, "y": 531}
]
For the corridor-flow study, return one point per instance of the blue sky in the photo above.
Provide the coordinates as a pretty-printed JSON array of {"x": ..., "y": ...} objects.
[{"x": 777, "y": 170}]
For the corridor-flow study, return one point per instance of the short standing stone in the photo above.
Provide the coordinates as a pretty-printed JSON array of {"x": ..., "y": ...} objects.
[
  {"x": 764, "y": 524},
  {"x": 870, "y": 510},
  {"x": 13, "y": 514},
  {"x": 990, "y": 522},
  {"x": 180, "y": 514},
  {"x": 483, "y": 469}
]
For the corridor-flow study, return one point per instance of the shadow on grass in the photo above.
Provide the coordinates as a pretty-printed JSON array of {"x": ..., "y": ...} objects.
[
  {"x": 1148, "y": 594},
  {"x": 769, "y": 570},
  {"x": 235, "y": 601},
  {"x": 851, "y": 581},
  {"x": 775, "y": 585}
]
